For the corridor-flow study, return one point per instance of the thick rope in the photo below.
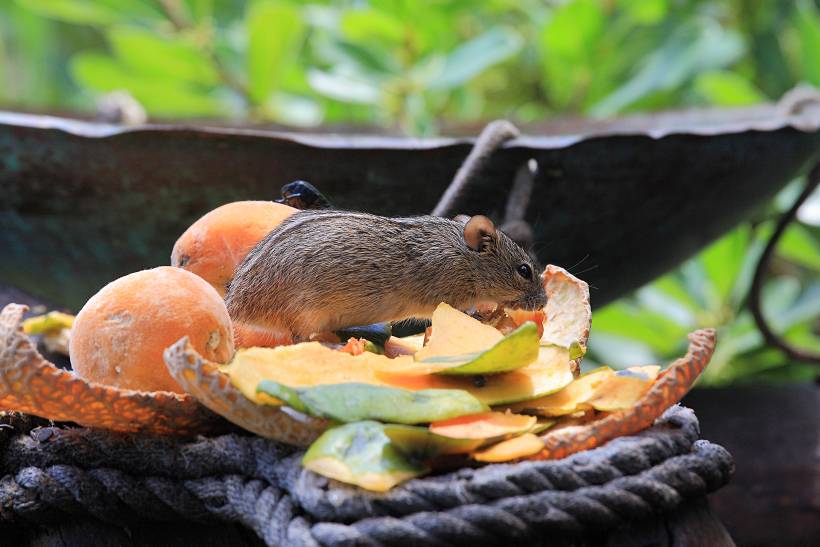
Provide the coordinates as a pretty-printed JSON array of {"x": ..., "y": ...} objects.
[{"x": 259, "y": 483}]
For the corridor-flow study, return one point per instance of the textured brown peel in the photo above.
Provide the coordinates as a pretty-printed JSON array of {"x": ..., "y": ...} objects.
[
  {"x": 668, "y": 389},
  {"x": 212, "y": 388},
  {"x": 30, "y": 384},
  {"x": 568, "y": 312}
]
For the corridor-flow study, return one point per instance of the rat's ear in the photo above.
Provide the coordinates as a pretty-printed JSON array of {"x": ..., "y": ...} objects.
[
  {"x": 479, "y": 233},
  {"x": 462, "y": 219}
]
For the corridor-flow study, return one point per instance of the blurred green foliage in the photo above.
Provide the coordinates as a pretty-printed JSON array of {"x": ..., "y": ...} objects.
[
  {"x": 711, "y": 290},
  {"x": 409, "y": 65},
  {"x": 404, "y": 64}
]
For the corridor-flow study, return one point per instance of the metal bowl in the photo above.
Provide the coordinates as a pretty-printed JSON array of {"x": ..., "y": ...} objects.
[{"x": 83, "y": 203}]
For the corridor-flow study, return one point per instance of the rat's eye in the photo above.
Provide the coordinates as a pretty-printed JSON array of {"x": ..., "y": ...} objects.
[{"x": 525, "y": 271}]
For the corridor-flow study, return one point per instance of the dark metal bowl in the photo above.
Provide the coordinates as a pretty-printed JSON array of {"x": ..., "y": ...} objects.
[{"x": 83, "y": 203}]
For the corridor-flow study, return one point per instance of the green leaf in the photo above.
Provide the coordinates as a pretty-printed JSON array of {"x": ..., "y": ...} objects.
[
  {"x": 806, "y": 308},
  {"x": 647, "y": 11},
  {"x": 653, "y": 329},
  {"x": 799, "y": 246},
  {"x": 162, "y": 97},
  {"x": 345, "y": 87},
  {"x": 93, "y": 12},
  {"x": 294, "y": 110},
  {"x": 694, "y": 46},
  {"x": 807, "y": 22},
  {"x": 356, "y": 401},
  {"x": 369, "y": 61},
  {"x": 370, "y": 24},
  {"x": 723, "y": 260},
  {"x": 360, "y": 454},
  {"x": 572, "y": 29},
  {"x": 274, "y": 32},
  {"x": 724, "y": 88},
  {"x": 568, "y": 43},
  {"x": 474, "y": 56},
  {"x": 152, "y": 56}
]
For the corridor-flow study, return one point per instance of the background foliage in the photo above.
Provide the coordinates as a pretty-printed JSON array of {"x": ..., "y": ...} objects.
[{"x": 417, "y": 66}]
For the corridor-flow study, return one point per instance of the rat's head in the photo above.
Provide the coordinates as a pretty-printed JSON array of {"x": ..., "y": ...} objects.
[{"x": 509, "y": 275}]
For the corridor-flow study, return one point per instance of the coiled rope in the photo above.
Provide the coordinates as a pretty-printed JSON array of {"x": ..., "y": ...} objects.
[{"x": 52, "y": 473}]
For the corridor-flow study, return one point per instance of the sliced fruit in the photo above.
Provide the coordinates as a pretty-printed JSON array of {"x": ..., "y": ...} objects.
[
  {"x": 300, "y": 365},
  {"x": 668, "y": 389},
  {"x": 516, "y": 350},
  {"x": 310, "y": 364},
  {"x": 487, "y": 425},
  {"x": 549, "y": 373},
  {"x": 622, "y": 389},
  {"x": 519, "y": 317},
  {"x": 203, "y": 380},
  {"x": 356, "y": 402},
  {"x": 52, "y": 322},
  {"x": 568, "y": 399},
  {"x": 456, "y": 333},
  {"x": 355, "y": 346},
  {"x": 542, "y": 425},
  {"x": 512, "y": 449},
  {"x": 422, "y": 444},
  {"x": 408, "y": 345},
  {"x": 361, "y": 454}
]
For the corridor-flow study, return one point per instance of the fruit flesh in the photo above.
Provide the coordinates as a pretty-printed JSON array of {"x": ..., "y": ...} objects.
[{"x": 311, "y": 364}]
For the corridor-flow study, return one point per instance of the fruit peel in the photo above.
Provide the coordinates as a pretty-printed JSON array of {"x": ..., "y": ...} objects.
[
  {"x": 31, "y": 384},
  {"x": 486, "y": 426},
  {"x": 421, "y": 444},
  {"x": 667, "y": 390},
  {"x": 355, "y": 402},
  {"x": 516, "y": 350},
  {"x": 361, "y": 454},
  {"x": 568, "y": 312},
  {"x": 516, "y": 448},
  {"x": 567, "y": 400},
  {"x": 513, "y": 351},
  {"x": 622, "y": 389},
  {"x": 550, "y": 372}
]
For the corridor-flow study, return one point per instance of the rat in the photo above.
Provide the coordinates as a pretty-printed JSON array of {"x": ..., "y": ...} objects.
[{"x": 323, "y": 270}]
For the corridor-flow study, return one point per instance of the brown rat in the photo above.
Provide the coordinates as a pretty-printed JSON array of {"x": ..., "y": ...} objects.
[{"x": 320, "y": 271}]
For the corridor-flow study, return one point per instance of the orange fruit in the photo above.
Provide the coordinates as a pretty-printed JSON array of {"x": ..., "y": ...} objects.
[
  {"x": 215, "y": 244},
  {"x": 119, "y": 336}
]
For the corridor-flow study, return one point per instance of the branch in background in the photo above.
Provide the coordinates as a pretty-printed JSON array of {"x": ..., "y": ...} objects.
[
  {"x": 812, "y": 182},
  {"x": 175, "y": 13},
  {"x": 494, "y": 135}
]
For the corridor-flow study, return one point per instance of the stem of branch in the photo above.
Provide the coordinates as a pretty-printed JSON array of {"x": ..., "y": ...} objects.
[{"x": 797, "y": 354}]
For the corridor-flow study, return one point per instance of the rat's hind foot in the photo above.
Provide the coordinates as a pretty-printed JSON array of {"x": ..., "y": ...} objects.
[{"x": 247, "y": 335}]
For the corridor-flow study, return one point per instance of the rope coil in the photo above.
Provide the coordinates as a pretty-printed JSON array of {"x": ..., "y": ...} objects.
[{"x": 124, "y": 479}]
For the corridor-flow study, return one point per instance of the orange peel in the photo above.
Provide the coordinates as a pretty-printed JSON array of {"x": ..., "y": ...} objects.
[
  {"x": 669, "y": 388},
  {"x": 31, "y": 384}
]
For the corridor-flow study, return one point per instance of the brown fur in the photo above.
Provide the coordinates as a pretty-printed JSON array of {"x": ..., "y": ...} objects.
[{"x": 324, "y": 270}]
